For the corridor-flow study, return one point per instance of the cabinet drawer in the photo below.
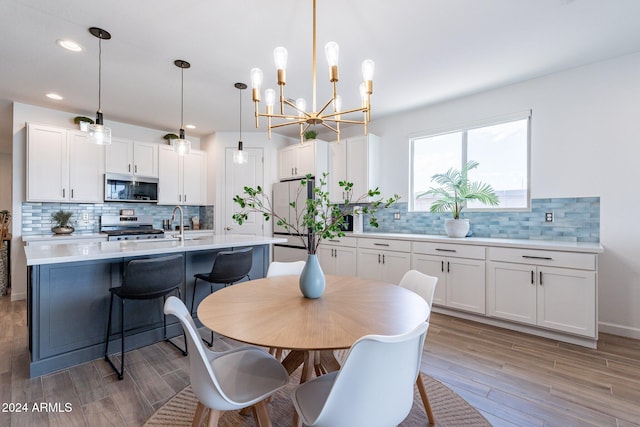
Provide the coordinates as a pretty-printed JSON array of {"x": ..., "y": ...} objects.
[
  {"x": 540, "y": 257},
  {"x": 450, "y": 250},
  {"x": 385, "y": 244},
  {"x": 349, "y": 242}
]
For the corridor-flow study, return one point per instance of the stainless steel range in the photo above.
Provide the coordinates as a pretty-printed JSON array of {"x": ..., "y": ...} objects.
[{"x": 134, "y": 227}]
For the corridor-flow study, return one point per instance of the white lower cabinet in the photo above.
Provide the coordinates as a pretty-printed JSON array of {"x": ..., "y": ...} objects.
[
  {"x": 338, "y": 256},
  {"x": 461, "y": 274},
  {"x": 554, "y": 290},
  {"x": 382, "y": 259}
]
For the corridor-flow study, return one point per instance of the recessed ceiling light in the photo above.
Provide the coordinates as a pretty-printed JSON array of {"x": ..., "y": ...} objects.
[
  {"x": 54, "y": 96},
  {"x": 69, "y": 45},
  {"x": 190, "y": 126}
]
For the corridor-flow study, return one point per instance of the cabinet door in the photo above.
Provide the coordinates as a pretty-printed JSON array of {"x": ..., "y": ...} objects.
[
  {"x": 337, "y": 170},
  {"x": 394, "y": 266},
  {"x": 194, "y": 179},
  {"x": 466, "y": 284},
  {"x": 119, "y": 156},
  {"x": 566, "y": 300},
  {"x": 86, "y": 170},
  {"x": 47, "y": 164},
  {"x": 145, "y": 159},
  {"x": 511, "y": 292},
  {"x": 306, "y": 159},
  {"x": 326, "y": 259},
  {"x": 433, "y": 266},
  {"x": 346, "y": 263},
  {"x": 357, "y": 165},
  {"x": 169, "y": 180},
  {"x": 286, "y": 162},
  {"x": 369, "y": 264}
]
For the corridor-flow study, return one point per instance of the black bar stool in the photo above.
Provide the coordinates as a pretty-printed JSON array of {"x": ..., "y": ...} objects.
[
  {"x": 146, "y": 279},
  {"x": 228, "y": 268}
]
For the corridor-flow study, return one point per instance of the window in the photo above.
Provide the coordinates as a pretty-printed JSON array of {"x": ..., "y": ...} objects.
[{"x": 501, "y": 149}]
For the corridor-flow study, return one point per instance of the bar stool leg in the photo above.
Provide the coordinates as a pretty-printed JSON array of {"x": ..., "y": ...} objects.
[
  {"x": 120, "y": 373},
  {"x": 193, "y": 295}
]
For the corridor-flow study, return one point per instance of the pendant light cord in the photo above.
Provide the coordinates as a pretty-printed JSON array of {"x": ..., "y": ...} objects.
[
  {"x": 240, "y": 92},
  {"x": 100, "y": 74},
  {"x": 182, "y": 99}
]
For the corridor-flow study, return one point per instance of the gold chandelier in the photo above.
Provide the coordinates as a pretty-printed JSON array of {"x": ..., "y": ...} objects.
[{"x": 330, "y": 118}]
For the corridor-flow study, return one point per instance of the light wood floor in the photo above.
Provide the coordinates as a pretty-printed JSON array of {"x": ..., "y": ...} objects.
[{"x": 511, "y": 378}]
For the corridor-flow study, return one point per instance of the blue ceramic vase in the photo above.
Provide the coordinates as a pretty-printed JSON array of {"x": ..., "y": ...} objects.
[{"x": 312, "y": 280}]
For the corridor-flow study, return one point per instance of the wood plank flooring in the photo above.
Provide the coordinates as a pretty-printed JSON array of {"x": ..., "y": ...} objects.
[{"x": 511, "y": 378}]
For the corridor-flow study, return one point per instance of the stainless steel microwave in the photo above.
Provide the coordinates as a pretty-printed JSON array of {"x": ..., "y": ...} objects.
[{"x": 129, "y": 188}]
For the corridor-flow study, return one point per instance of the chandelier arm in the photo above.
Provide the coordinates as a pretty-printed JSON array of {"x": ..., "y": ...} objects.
[
  {"x": 353, "y": 122},
  {"x": 325, "y": 106},
  {"x": 279, "y": 125},
  {"x": 282, "y": 99},
  {"x": 281, "y": 116},
  {"x": 330, "y": 127}
]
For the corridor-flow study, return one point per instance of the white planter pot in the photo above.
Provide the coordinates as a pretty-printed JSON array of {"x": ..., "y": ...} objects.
[
  {"x": 456, "y": 227},
  {"x": 84, "y": 126}
]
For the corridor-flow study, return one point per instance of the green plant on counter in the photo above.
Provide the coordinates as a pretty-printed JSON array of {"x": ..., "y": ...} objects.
[
  {"x": 318, "y": 218},
  {"x": 310, "y": 134},
  {"x": 456, "y": 189},
  {"x": 79, "y": 119},
  {"x": 61, "y": 218}
]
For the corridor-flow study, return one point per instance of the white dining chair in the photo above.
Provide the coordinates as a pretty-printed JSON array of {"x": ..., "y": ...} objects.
[
  {"x": 277, "y": 268},
  {"x": 425, "y": 286},
  {"x": 228, "y": 380},
  {"x": 374, "y": 387}
]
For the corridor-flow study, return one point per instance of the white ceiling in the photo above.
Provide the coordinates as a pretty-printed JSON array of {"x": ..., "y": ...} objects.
[{"x": 426, "y": 51}]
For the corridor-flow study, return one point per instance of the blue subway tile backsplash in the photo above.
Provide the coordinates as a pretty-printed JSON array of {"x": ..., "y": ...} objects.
[
  {"x": 575, "y": 219},
  {"x": 36, "y": 217}
]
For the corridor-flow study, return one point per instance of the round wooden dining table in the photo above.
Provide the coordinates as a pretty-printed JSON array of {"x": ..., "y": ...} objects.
[{"x": 272, "y": 312}]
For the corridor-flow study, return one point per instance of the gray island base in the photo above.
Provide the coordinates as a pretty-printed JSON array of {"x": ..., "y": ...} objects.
[{"x": 68, "y": 295}]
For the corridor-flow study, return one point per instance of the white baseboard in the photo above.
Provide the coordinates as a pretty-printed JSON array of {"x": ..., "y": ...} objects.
[
  {"x": 17, "y": 296},
  {"x": 624, "y": 331}
]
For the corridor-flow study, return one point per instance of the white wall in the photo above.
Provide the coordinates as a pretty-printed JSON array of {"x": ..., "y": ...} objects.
[
  {"x": 215, "y": 147},
  {"x": 585, "y": 142},
  {"x": 22, "y": 114}
]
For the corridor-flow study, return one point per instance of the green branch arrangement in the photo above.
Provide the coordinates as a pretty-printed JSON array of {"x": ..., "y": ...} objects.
[{"x": 318, "y": 218}]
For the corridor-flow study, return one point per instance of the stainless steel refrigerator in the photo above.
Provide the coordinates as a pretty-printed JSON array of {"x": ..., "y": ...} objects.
[{"x": 283, "y": 194}]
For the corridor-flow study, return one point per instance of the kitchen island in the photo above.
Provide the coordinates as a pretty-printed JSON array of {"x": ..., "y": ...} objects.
[{"x": 68, "y": 293}]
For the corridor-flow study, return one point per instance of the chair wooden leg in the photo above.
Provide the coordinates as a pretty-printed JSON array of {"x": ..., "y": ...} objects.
[
  {"x": 278, "y": 354},
  {"x": 425, "y": 399},
  {"x": 214, "y": 417},
  {"x": 199, "y": 415},
  {"x": 261, "y": 414},
  {"x": 296, "y": 420},
  {"x": 307, "y": 367}
]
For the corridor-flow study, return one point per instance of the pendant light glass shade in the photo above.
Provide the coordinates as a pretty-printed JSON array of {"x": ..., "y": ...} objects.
[
  {"x": 98, "y": 133},
  {"x": 181, "y": 145},
  {"x": 239, "y": 156}
]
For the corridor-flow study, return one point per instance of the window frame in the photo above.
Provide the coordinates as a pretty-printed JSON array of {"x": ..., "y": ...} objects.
[{"x": 464, "y": 129}]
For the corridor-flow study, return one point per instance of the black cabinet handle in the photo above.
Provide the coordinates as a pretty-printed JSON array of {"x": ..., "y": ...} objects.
[
  {"x": 135, "y": 169},
  {"x": 129, "y": 167},
  {"x": 63, "y": 193},
  {"x": 448, "y": 265},
  {"x": 383, "y": 258},
  {"x": 381, "y": 244},
  {"x": 537, "y": 257},
  {"x": 445, "y": 250},
  {"x": 541, "y": 278},
  {"x": 533, "y": 277},
  {"x": 442, "y": 266},
  {"x": 72, "y": 193},
  {"x": 378, "y": 258}
]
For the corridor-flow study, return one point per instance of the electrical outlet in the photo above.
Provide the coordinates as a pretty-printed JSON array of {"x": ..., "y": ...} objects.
[
  {"x": 396, "y": 215},
  {"x": 85, "y": 216},
  {"x": 548, "y": 217}
]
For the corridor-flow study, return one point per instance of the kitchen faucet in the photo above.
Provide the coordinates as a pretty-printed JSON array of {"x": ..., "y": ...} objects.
[{"x": 173, "y": 217}]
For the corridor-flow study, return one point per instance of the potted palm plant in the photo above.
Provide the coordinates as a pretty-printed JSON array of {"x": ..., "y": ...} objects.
[
  {"x": 454, "y": 192},
  {"x": 61, "y": 221},
  {"x": 318, "y": 219}
]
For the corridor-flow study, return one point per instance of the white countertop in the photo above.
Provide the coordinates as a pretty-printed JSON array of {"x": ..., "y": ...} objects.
[
  {"x": 77, "y": 251},
  {"x": 554, "y": 245}
]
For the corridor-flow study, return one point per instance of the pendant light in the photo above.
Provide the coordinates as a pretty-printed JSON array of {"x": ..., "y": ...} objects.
[
  {"x": 239, "y": 156},
  {"x": 181, "y": 145},
  {"x": 98, "y": 133}
]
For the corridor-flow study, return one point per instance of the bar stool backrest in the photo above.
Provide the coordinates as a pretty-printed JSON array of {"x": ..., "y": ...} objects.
[
  {"x": 149, "y": 277},
  {"x": 231, "y": 266}
]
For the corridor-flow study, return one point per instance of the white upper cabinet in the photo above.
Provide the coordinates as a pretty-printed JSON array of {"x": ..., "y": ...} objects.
[
  {"x": 298, "y": 160},
  {"x": 355, "y": 160},
  {"x": 182, "y": 179},
  {"x": 125, "y": 156},
  {"x": 62, "y": 166}
]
